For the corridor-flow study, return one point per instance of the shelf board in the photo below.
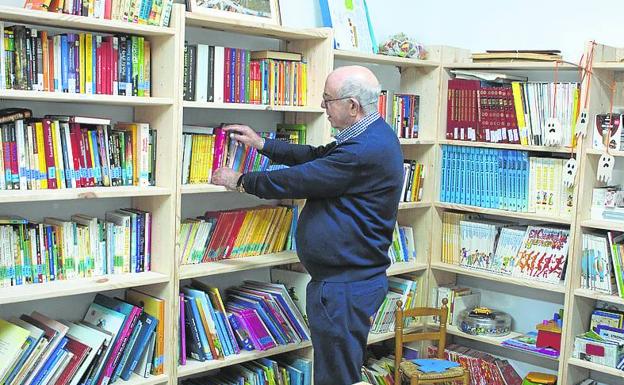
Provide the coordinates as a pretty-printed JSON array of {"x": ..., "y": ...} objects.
[
  {"x": 603, "y": 224},
  {"x": 506, "y": 146},
  {"x": 195, "y": 367},
  {"x": 405, "y": 267},
  {"x": 415, "y": 141},
  {"x": 252, "y": 28},
  {"x": 609, "y": 65},
  {"x": 413, "y": 205},
  {"x": 252, "y": 107},
  {"x": 152, "y": 380},
  {"x": 62, "y": 97},
  {"x": 505, "y": 279},
  {"x": 362, "y": 57},
  {"x": 66, "y": 288},
  {"x": 596, "y": 367},
  {"x": 511, "y": 65},
  {"x": 373, "y": 338},
  {"x": 56, "y": 20},
  {"x": 503, "y": 213},
  {"x": 599, "y": 296},
  {"x": 237, "y": 264},
  {"x": 201, "y": 188},
  {"x": 495, "y": 341},
  {"x": 16, "y": 196},
  {"x": 593, "y": 151}
]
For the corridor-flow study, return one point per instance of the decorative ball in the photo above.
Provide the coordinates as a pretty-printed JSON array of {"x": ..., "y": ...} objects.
[{"x": 403, "y": 46}]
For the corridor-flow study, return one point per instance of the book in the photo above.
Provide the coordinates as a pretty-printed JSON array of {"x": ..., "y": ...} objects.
[
  {"x": 528, "y": 342},
  {"x": 12, "y": 338},
  {"x": 276, "y": 55}
]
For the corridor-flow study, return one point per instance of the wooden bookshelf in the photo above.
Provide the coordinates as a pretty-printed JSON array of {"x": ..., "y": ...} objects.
[
  {"x": 252, "y": 107},
  {"x": 598, "y": 296},
  {"x": 61, "y": 20},
  {"x": 152, "y": 380},
  {"x": 201, "y": 188},
  {"x": 398, "y": 268},
  {"x": 237, "y": 264},
  {"x": 506, "y": 146},
  {"x": 512, "y": 65},
  {"x": 596, "y": 367},
  {"x": 503, "y": 279},
  {"x": 603, "y": 225},
  {"x": 609, "y": 65},
  {"x": 16, "y": 196},
  {"x": 409, "y": 142},
  {"x": 503, "y": 213},
  {"x": 414, "y": 205},
  {"x": 361, "y": 57},
  {"x": 62, "y": 97},
  {"x": 195, "y": 367}
]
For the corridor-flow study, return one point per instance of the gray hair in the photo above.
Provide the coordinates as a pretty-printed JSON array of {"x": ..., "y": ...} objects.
[{"x": 365, "y": 93}]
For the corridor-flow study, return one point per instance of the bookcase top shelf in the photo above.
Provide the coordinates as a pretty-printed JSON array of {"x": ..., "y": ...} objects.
[
  {"x": 508, "y": 280},
  {"x": 362, "y": 57},
  {"x": 256, "y": 29},
  {"x": 608, "y": 65},
  {"x": 252, "y": 107},
  {"x": 237, "y": 264},
  {"x": 201, "y": 188},
  {"x": 596, "y": 367},
  {"x": 152, "y": 380},
  {"x": 521, "y": 65},
  {"x": 593, "y": 151},
  {"x": 414, "y": 141},
  {"x": 62, "y": 97},
  {"x": 586, "y": 293},
  {"x": 603, "y": 225},
  {"x": 65, "y": 288},
  {"x": 194, "y": 367},
  {"x": 503, "y": 213},
  {"x": 506, "y": 146},
  {"x": 61, "y": 20},
  {"x": 414, "y": 205},
  {"x": 16, "y": 196}
]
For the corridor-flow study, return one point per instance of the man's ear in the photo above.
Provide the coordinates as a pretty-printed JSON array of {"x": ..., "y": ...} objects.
[{"x": 355, "y": 107}]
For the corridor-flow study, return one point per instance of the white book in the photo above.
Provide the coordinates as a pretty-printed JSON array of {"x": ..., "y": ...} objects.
[
  {"x": 94, "y": 339},
  {"x": 219, "y": 73},
  {"x": 2, "y": 59},
  {"x": 201, "y": 74}
]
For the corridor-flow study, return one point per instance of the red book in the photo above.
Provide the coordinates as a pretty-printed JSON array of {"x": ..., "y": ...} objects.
[
  {"x": 237, "y": 222},
  {"x": 88, "y": 160},
  {"x": 210, "y": 252},
  {"x": 108, "y": 9},
  {"x": 80, "y": 352},
  {"x": 227, "y": 97},
  {"x": 49, "y": 153},
  {"x": 115, "y": 65},
  {"x": 78, "y": 160}
]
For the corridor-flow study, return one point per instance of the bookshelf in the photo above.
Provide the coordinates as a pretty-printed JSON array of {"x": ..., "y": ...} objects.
[
  {"x": 581, "y": 302},
  {"x": 69, "y": 299}
]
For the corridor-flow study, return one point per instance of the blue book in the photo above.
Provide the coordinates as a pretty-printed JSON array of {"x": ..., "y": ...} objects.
[
  {"x": 149, "y": 324},
  {"x": 305, "y": 366},
  {"x": 52, "y": 360},
  {"x": 126, "y": 353},
  {"x": 64, "y": 63},
  {"x": 200, "y": 327},
  {"x": 253, "y": 304}
]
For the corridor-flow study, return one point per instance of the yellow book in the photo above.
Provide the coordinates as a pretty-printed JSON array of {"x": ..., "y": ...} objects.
[
  {"x": 156, "y": 308},
  {"x": 12, "y": 338},
  {"x": 88, "y": 63},
  {"x": 283, "y": 231},
  {"x": 280, "y": 213},
  {"x": 269, "y": 230},
  {"x": 279, "y": 224},
  {"x": 42, "y": 179},
  {"x": 133, "y": 130},
  {"x": 576, "y": 95},
  {"x": 261, "y": 230},
  {"x": 304, "y": 77},
  {"x": 238, "y": 242},
  {"x": 210, "y": 158},
  {"x": 82, "y": 63},
  {"x": 517, "y": 96}
]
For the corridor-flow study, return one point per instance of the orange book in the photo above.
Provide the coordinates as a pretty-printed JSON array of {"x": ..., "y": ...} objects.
[{"x": 50, "y": 65}]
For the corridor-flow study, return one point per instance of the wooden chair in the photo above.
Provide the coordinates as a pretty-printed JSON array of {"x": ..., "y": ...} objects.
[{"x": 410, "y": 370}]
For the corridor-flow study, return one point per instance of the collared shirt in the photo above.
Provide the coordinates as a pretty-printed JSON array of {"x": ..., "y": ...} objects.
[{"x": 356, "y": 128}]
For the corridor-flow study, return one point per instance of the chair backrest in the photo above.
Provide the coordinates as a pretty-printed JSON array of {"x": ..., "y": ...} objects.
[{"x": 400, "y": 338}]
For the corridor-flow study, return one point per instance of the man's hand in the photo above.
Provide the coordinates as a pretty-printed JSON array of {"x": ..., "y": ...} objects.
[
  {"x": 245, "y": 135},
  {"x": 226, "y": 177}
]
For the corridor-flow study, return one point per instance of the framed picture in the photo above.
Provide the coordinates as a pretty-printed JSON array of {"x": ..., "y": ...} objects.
[
  {"x": 260, "y": 11},
  {"x": 351, "y": 24}
]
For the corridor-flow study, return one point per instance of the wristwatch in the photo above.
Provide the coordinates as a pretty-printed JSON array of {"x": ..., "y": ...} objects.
[{"x": 239, "y": 184}]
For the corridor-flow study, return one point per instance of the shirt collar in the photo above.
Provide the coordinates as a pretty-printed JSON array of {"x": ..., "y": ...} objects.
[{"x": 356, "y": 128}]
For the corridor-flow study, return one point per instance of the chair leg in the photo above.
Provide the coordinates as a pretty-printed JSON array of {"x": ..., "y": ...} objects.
[
  {"x": 466, "y": 379},
  {"x": 414, "y": 381}
]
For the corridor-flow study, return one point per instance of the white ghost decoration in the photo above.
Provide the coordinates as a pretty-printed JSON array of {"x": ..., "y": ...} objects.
[
  {"x": 553, "y": 136},
  {"x": 605, "y": 168},
  {"x": 569, "y": 173},
  {"x": 582, "y": 123}
]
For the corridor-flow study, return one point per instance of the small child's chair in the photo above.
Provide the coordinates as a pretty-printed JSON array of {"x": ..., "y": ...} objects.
[{"x": 408, "y": 369}]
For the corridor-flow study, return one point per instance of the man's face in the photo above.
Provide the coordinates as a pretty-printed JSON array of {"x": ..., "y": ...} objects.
[{"x": 338, "y": 110}]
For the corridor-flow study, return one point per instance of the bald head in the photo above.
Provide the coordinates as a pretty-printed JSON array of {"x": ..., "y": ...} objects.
[{"x": 357, "y": 82}]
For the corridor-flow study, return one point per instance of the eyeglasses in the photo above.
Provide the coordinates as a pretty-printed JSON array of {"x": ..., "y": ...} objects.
[{"x": 324, "y": 101}]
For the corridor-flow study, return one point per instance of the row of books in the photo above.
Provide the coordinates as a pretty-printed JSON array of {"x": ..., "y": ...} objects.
[
  {"x": 83, "y": 246},
  {"x": 510, "y": 113},
  {"x": 413, "y": 181},
  {"x": 282, "y": 370},
  {"x": 532, "y": 252},
  {"x": 62, "y": 152},
  {"x": 205, "y": 149},
  {"x": 608, "y": 132},
  {"x": 150, "y": 12},
  {"x": 255, "y": 316},
  {"x": 605, "y": 334},
  {"x": 505, "y": 180},
  {"x": 403, "y": 288},
  {"x": 238, "y": 233},
  {"x": 403, "y": 246},
  {"x": 115, "y": 339},
  {"x": 82, "y": 63},
  {"x": 379, "y": 371},
  {"x": 405, "y": 112},
  {"x": 483, "y": 368},
  {"x": 607, "y": 203},
  {"x": 602, "y": 267},
  {"x": 235, "y": 75},
  {"x": 458, "y": 299}
]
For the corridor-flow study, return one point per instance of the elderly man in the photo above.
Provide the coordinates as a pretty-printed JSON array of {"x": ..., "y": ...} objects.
[{"x": 352, "y": 187}]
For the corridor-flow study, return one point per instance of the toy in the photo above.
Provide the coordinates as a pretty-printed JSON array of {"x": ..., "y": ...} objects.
[
  {"x": 402, "y": 46},
  {"x": 484, "y": 322},
  {"x": 537, "y": 378},
  {"x": 549, "y": 333}
]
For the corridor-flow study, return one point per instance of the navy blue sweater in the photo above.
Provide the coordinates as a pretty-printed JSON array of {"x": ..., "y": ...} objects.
[{"x": 352, "y": 191}]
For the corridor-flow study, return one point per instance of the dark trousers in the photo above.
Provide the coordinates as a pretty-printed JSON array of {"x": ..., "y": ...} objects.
[{"x": 339, "y": 315}]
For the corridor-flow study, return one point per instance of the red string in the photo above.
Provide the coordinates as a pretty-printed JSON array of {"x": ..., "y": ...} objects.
[{"x": 554, "y": 109}]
